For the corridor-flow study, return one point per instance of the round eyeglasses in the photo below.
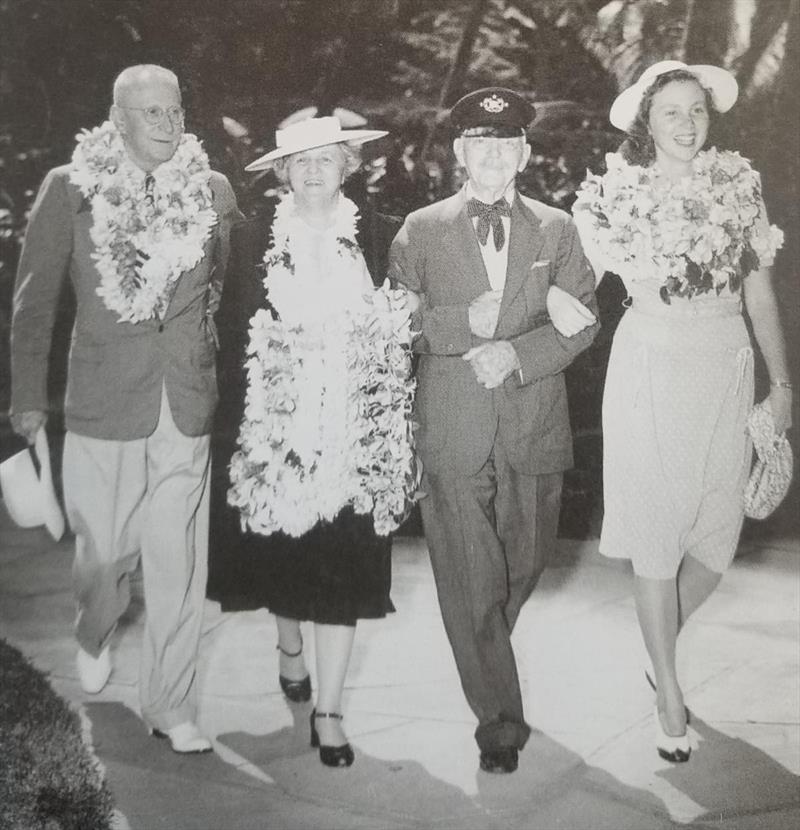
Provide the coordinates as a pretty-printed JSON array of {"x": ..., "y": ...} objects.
[{"x": 155, "y": 114}]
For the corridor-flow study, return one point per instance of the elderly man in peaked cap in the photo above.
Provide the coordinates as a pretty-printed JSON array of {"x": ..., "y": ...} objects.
[{"x": 494, "y": 434}]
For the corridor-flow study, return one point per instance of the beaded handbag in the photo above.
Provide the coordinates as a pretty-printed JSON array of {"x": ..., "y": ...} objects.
[{"x": 772, "y": 471}]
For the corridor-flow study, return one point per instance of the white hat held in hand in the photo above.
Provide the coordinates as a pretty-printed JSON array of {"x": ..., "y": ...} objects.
[
  {"x": 30, "y": 499},
  {"x": 310, "y": 133},
  {"x": 719, "y": 82}
]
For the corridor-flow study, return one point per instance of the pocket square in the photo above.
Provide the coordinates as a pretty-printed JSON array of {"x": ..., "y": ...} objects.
[{"x": 541, "y": 263}]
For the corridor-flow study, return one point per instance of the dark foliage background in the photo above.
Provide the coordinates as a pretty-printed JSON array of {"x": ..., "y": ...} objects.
[{"x": 247, "y": 64}]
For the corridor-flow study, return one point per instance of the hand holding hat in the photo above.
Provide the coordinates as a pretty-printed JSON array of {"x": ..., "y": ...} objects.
[
  {"x": 30, "y": 499},
  {"x": 27, "y": 424}
]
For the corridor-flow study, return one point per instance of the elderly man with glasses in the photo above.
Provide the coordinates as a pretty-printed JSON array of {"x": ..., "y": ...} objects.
[{"x": 140, "y": 224}]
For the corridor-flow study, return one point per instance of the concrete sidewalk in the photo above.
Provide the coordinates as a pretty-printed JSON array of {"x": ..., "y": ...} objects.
[{"x": 590, "y": 762}]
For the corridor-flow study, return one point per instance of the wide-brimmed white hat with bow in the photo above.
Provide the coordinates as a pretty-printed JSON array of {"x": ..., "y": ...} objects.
[
  {"x": 30, "y": 499},
  {"x": 720, "y": 83},
  {"x": 310, "y": 133}
]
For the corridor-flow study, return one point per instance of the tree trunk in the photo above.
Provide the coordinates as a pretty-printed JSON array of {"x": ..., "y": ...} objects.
[
  {"x": 767, "y": 20},
  {"x": 709, "y": 31},
  {"x": 455, "y": 77},
  {"x": 327, "y": 90},
  {"x": 458, "y": 68}
]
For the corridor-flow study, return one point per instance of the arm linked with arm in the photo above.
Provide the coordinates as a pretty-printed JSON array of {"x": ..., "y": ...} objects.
[
  {"x": 543, "y": 350},
  {"x": 444, "y": 329}
]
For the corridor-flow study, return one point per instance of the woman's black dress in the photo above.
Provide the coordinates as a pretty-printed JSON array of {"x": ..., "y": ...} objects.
[{"x": 339, "y": 571}]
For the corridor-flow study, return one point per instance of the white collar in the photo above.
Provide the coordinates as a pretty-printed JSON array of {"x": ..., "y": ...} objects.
[{"x": 509, "y": 194}]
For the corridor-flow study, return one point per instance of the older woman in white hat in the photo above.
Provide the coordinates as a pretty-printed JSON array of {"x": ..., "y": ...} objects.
[
  {"x": 686, "y": 230},
  {"x": 312, "y": 394}
]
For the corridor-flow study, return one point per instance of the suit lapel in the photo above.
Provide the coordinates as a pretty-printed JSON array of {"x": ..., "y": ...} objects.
[
  {"x": 525, "y": 243},
  {"x": 462, "y": 247}
]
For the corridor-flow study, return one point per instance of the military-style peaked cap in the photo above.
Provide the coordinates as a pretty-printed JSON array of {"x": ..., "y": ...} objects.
[{"x": 501, "y": 110}]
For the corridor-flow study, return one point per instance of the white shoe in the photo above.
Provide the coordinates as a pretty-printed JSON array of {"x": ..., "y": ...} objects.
[
  {"x": 673, "y": 748},
  {"x": 185, "y": 738},
  {"x": 93, "y": 671}
]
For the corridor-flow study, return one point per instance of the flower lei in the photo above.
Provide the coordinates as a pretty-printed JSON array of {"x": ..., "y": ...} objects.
[
  {"x": 142, "y": 246},
  {"x": 327, "y": 407},
  {"x": 703, "y": 233}
]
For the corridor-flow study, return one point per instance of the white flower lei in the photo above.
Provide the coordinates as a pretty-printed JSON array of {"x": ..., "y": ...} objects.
[
  {"x": 143, "y": 246},
  {"x": 327, "y": 407},
  {"x": 703, "y": 233}
]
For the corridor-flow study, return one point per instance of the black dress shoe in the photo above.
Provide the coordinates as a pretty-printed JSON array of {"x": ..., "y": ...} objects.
[
  {"x": 504, "y": 759},
  {"x": 298, "y": 691}
]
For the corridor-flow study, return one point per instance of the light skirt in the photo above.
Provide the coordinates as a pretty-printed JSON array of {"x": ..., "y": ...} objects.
[{"x": 676, "y": 451}]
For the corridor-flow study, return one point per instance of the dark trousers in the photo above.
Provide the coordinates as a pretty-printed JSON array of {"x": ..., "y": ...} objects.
[{"x": 490, "y": 536}]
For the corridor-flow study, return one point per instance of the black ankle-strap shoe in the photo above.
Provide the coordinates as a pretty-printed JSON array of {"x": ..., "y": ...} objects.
[{"x": 331, "y": 756}]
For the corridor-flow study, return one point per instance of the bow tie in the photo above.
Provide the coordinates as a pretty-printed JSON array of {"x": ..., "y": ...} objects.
[{"x": 489, "y": 215}]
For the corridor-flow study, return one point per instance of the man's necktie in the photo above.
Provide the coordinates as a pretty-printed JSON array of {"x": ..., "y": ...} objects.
[
  {"x": 489, "y": 215},
  {"x": 141, "y": 256}
]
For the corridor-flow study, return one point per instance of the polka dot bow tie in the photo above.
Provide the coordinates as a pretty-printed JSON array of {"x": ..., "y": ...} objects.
[{"x": 489, "y": 215}]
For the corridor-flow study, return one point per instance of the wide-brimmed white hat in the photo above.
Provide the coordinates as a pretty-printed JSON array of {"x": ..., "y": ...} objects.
[
  {"x": 310, "y": 133},
  {"x": 720, "y": 83},
  {"x": 30, "y": 499}
]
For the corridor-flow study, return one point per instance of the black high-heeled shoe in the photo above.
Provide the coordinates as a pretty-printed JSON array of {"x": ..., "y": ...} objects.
[
  {"x": 331, "y": 756},
  {"x": 298, "y": 691}
]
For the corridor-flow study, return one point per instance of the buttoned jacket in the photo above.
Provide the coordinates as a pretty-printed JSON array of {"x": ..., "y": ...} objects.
[
  {"x": 436, "y": 254},
  {"x": 116, "y": 370}
]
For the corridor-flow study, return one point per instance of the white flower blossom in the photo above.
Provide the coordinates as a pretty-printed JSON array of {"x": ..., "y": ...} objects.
[
  {"x": 141, "y": 249},
  {"x": 712, "y": 220},
  {"x": 329, "y": 395}
]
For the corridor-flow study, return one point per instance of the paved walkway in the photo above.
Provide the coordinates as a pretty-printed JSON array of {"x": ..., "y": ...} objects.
[{"x": 590, "y": 762}]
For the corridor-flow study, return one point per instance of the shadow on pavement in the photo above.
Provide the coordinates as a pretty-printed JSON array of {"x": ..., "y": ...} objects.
[
  {"x": 155, "y": 788},
  {"x": 724, "y": 774},
  {"x": 553, "y": 787}
]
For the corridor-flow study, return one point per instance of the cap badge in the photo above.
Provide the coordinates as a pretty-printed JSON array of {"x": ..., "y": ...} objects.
[{"x": 493, "y": 103}]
